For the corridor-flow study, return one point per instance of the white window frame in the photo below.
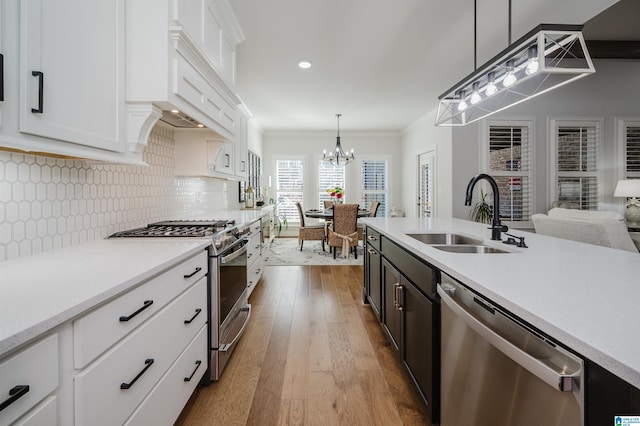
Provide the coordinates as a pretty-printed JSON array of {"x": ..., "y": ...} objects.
[
  {"x": 554, "y": 124},
  {"x": 319, "y": 200},
  {"x": 622, "y": 123},
  {"x": 384, "y": 208},
  {"x": 530, "y": 174},
  {"x": 292, "y": 215}
]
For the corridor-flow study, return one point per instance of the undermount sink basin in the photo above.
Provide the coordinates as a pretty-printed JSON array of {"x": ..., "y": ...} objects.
[
  {"x": 445, "y": 238},
  {"x": 464, "y": 248}
]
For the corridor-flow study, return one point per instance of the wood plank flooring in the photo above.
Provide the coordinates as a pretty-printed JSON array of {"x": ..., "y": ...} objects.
[{"x": 313, "y": 354}]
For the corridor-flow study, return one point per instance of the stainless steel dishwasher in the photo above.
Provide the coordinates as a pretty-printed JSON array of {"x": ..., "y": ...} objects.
[{"x": 496, "y": 370}]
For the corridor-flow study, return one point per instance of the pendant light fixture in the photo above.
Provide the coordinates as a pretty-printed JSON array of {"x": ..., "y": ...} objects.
[
  {"x": 338, "y": 157},
  {"x": 549, "y": 56}
]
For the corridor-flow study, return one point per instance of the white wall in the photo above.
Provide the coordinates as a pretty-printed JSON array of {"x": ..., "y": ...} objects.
[
  {"x": 613, "y": 91},
  {"x": 309, "y": 145},
  {"x": 421, "y": 137}
]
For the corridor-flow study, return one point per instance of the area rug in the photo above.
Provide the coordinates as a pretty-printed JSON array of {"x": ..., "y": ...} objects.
[{"x": 285, "y": 251}]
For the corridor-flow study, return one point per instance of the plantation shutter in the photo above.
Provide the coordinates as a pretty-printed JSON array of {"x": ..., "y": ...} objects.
[
  {"x": 510, "y": 166},
  {"x": 426, "y": 177},
  {"x": 289, "y": 180},
  {"x": 577, "y": 159},
  {"x": 632, "y": 151},
  {"x": 374, "y": 184},
  {"x": 328, "y": 177}
]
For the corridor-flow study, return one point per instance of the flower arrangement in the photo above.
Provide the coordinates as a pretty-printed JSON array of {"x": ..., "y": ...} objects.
[{"x": 337, "y": 195}]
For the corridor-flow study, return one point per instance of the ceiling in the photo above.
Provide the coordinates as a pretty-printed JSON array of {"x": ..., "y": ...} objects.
[{"x": 381, "y": 64}]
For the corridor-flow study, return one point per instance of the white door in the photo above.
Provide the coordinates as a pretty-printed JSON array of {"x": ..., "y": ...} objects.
[
  {"x": 426, "y": 184},
  {"x": 72, "y": 71}
]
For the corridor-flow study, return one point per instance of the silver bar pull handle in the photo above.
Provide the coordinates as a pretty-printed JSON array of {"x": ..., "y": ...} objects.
[
  {"x": 556, "y": 379},
  {"x": 226, "y": 346}
]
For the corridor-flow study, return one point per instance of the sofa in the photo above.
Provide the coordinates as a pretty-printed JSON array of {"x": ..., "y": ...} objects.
[{"x": 603, "y": 228}]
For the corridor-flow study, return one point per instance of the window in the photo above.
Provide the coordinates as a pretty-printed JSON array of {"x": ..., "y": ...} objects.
[
  {"x": 631, "y": 149},
  {"x": 509, "y": 163},
  {"x": 576, "y": 147},
  {"x": 328, "y": 177},
  {"x": 289, "y": 178},
  {"x": 374, "y": 180}
]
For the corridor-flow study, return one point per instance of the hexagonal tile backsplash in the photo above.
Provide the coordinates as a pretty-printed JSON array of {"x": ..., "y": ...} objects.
[{"x": 48, "y": 203}]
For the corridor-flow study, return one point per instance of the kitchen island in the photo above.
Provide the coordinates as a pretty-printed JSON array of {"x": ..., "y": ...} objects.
[
  {"x": 584, "y": 296},
  {"x": 579, "y": 295}
]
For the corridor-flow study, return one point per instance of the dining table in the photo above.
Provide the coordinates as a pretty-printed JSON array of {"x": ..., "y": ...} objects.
[{"x": 328, "y": 213}]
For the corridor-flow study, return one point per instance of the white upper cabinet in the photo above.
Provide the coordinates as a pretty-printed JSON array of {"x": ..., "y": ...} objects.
[
  {"x": 64, "y": 79},
  {"x": 181, "y": 55},
  {"x": 1, "y": 67},
  {"x": 242, "y": 146},
  {"x": 71, "y": 71},
  {"x": 214, "y": 29}
]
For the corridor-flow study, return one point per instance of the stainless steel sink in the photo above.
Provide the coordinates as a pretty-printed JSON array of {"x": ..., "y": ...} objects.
[
  {"x": 445, "y": 238},
  {"x": 464, "y": 248}
]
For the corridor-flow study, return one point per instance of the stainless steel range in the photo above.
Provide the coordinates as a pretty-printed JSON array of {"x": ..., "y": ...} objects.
[{"x": 228, "y": 309}]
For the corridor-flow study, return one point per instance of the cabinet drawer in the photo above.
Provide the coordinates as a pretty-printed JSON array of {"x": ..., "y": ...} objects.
[
  {"x": 253, "y": 275},
  {"x": 373, "y": 238},
  {"x": 145, "y": 354},
  {"x": 45, "y": 414},
  {"x": 97, "y": 331},
  {"x": 253, "y": 249},
  {"x": 255, "y": 228},
  {"x": 31, "y": 373},
  {"x": 420, "y": 274},
  {"x": 165, "y": 402}
]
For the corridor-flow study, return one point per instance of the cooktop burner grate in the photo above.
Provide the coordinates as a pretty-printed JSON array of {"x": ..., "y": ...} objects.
[{"x": 175, "y": 228}]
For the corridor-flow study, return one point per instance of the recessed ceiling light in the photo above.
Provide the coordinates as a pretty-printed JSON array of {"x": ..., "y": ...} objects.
[{"x": 304, "y": 64}]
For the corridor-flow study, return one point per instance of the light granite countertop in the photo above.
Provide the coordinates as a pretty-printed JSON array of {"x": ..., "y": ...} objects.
[{"x": 582, "y": 295}]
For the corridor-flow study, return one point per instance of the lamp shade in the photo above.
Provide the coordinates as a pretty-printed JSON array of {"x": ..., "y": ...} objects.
[{"x": 627, "y": 188}]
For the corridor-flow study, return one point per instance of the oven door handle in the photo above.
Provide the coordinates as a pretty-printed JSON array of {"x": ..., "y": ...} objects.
[{"x": 235, "y": 254}]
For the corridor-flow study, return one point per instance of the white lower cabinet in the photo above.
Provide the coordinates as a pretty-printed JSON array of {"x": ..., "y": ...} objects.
[
  {"x": 254, "y": 256},
  {"x": 45, "y": 414},
  {"x": 165, "y": 402},
  {"x": 27, "y": 378},
  {"x": 122, "y": 315},
  {"x": 96, "y": 369},
  {"x": 109, "y": 390}
]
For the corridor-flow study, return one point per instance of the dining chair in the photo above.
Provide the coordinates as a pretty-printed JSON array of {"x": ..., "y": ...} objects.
[
  {"x": 311, "y": 232},
  {"x": 343, "y": 233},
  {"x": 373, "y": 210},
  {"x": 327, "y": 204}
]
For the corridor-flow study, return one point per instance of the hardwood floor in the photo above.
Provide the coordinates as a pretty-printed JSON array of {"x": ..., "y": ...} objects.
[{"x": 313, "y": 354}]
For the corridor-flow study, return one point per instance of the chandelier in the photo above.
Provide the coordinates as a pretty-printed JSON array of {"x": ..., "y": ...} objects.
[{"x": 337, "y": 157}]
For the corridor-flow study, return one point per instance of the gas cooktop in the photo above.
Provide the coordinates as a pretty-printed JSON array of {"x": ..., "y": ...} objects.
[{"x": 178, "y": 228}]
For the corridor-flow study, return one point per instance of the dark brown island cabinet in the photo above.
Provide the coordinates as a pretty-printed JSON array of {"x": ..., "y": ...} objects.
[{"x": 401, "y": 289}]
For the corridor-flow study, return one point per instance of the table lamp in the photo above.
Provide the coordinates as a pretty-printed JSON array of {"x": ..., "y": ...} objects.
[{"x": 630, "y": 188}]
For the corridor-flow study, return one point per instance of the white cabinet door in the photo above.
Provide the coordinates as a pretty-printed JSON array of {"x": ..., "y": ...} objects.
[
  {"x": 72, "y": 70},
  {"x": 2, "y": 47},
  {"x": 242, "y": 148},
  {"x": 224, "y": 162}
]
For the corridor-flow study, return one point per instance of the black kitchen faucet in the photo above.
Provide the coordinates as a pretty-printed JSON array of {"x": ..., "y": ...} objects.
[{"x": 496, "y": 227}]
